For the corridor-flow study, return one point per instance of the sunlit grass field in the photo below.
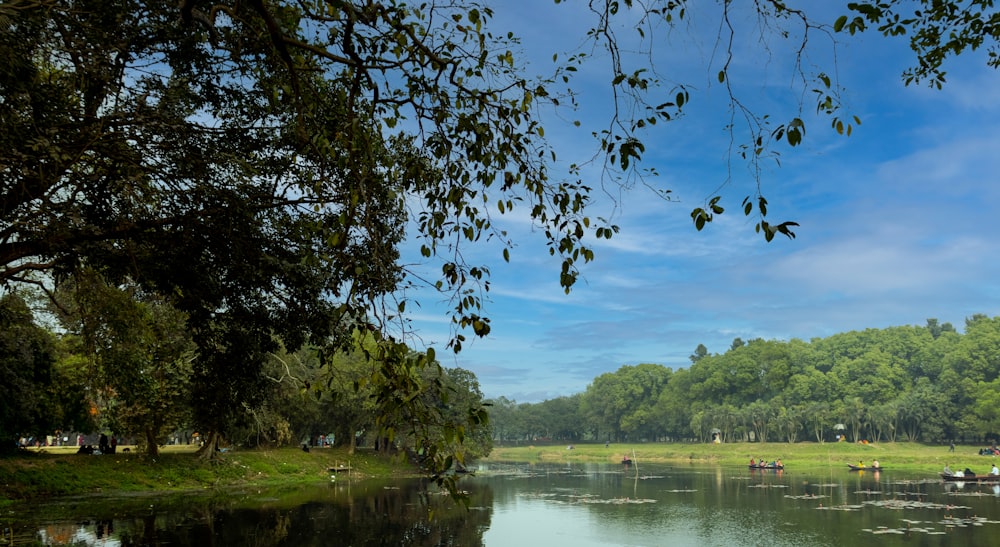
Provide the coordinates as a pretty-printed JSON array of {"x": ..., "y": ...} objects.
[
  {"x": 167, "y": 449},
  {"x": 801, "y": 456}
]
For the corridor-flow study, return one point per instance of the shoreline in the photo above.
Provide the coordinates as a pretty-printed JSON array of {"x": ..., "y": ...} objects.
[
  {"x": 60, "y": 471},
  {"x": 900, "y": 456}
]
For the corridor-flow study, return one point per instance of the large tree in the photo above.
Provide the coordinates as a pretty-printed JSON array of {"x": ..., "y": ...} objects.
[
  {"x": 141, "y": 352},
  {"x": 234, "y": 160}
]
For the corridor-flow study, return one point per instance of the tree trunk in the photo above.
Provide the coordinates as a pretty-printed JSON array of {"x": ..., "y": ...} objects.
[
  {"x": 152, "y": 449},
  {"x": 209, "y": 450},
  {"x": 383, "y": 446}
]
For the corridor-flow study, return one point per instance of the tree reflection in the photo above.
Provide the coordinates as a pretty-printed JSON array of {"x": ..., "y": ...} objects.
[{"x": 365, "y": 514}]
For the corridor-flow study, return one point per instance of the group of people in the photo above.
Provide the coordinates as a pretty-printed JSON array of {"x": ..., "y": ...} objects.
[
  {"x": 875, "y": 464},
  {"x": 104, "y": 446},
  {"x": 994, "y": 471},
  {"x": 763, "y": 463}
]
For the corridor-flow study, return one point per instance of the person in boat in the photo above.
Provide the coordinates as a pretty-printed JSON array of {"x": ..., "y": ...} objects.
[
  {"x": 778, "y": 463},
  {"x": 995, "y": 470},
  {"x": 861, "y": 464},
  {"x": 969, "y": 473},
  {"x": 875, "y": 464},
  {"x": 752, "y": 462},
  {"x": 947, "y": 469}
]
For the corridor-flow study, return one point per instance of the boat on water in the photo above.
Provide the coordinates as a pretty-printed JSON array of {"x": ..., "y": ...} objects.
[
  {"x": 860, "y": 468},
  {"x": 759, "y": 466},
  {"x": 951, "y": 477}
]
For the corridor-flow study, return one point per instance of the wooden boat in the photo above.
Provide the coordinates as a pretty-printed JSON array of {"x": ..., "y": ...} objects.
[
  {"x": 965, "y": 478},
  {"x": 859, "y": 468},
  {"x": 759, "y": 466}
]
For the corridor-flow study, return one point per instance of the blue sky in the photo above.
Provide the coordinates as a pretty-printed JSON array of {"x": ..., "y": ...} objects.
[{"x": 898, "y": 221}]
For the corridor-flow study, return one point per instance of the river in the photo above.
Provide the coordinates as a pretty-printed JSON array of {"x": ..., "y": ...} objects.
[{"x": 521, "y": 505}]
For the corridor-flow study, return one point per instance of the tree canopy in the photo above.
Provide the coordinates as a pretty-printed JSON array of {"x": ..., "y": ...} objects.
[
  {"x": 875, "y": 382},
  {"x": 257, "y": 155},
  {"x": 27, "y": 359}
]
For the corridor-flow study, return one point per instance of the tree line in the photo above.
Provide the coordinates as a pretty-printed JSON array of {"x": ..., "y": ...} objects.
[
  {"x": 926, "y": 383},
  {"x": 124, "y": 363}
]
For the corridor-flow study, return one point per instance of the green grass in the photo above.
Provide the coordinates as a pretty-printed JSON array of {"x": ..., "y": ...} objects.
[
  {"x": 55, "y": 472},
  {"x": 802, "y": 455}
]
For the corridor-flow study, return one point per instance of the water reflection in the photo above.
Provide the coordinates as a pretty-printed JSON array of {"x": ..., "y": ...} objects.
[
  {"x": 521, "y": 505},
  {"x": 401, "y": 513},
  {"x": 98, "y": 534},
  {"x": 730, "y": 507}
]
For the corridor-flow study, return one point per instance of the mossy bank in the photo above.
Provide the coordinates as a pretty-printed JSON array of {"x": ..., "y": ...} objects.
[{"x": 60, "y": 471}]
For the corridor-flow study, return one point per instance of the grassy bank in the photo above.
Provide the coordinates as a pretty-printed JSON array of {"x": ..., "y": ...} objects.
[
  {"x": 803, "y": 455},
  {"x": 59, "y": 471}
]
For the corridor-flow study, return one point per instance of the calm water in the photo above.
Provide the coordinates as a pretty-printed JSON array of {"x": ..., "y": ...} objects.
[{"x": 522, "y": 506}]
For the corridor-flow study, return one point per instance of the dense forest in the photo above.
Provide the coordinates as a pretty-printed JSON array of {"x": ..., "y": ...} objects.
[{"x": 910, "y": 383}]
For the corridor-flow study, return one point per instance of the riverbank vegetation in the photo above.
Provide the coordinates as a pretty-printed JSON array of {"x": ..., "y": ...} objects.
[
  {"x": 31, "y": 474},
  {"x": 60, "y": 472},
  {"x": 927, "y": 383},
  {"x": 803, "y": 456},
  {"x": 122, "y": 367}
]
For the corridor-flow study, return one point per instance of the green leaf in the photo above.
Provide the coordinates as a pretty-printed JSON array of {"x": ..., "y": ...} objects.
[{"x": 838, "y": 25}]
